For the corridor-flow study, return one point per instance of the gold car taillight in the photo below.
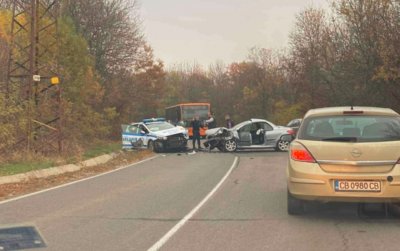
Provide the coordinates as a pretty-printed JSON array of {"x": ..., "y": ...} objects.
[{"x": 299, "y": 153}]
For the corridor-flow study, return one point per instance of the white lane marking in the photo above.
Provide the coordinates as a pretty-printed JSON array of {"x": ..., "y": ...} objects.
[
  {"x": 78, "y": 181},
  {"x": 182, "y": 222}
]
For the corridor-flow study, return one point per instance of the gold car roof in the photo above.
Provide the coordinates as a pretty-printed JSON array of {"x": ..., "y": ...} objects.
[{"x": 348, "y": 110}]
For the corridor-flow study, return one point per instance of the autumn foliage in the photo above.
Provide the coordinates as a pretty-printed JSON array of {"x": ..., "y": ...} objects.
[{"x": 345, "y": 55}]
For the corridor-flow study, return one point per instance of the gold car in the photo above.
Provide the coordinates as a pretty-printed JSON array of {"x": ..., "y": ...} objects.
[{"x": 347, "y": 154}]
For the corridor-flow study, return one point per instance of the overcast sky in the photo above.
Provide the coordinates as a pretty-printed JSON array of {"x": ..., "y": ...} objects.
[{"x": 205, "y": 31}]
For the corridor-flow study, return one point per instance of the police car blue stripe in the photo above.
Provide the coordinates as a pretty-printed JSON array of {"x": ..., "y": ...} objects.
[
  {"x": 140, "y": 135},
  {"x": 133, "y": 134}
]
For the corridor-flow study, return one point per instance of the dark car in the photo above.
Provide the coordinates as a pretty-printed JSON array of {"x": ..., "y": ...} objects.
[{"x": 294, "y": 124}]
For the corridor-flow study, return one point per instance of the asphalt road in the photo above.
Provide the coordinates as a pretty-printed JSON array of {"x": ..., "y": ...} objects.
[{"x": 133, "y": 208}]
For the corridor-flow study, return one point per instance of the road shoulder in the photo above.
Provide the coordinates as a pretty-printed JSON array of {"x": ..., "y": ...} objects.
[{"x": 20, "y": 184}]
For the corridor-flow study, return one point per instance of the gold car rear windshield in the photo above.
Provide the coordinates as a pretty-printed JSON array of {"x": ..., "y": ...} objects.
[{"x": 351, "y": 128}]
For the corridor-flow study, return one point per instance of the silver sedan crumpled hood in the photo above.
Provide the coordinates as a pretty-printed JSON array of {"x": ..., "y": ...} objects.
[{"x": 215, "y": 130}]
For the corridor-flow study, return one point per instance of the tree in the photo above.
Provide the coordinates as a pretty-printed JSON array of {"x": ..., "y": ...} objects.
[
  {"x": 221, "y": 92},
  {"x": 5, "y": 17},
  {"x": 138, "y": 94},
  {"x": 308, "y": 43},
  {"x": 112, "y": 30},
  {"x": 6, "y": 4},
  {"x": 251, "y": 89},
  {"x": 85, "y": 120}
]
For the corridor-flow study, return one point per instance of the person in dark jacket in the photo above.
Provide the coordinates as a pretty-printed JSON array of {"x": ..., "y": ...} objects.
[
  {"x": 229, "y": 122},
  {"x": 211, "y": 122},
  {"x": 196, "y": 125}
]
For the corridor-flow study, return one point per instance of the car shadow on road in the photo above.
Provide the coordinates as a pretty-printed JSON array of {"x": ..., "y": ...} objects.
[{"x": 350, "y": 211}]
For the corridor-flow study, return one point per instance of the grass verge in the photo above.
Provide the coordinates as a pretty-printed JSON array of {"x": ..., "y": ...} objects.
[
  {"x": 17, "y": 167},
  {"x": 23, "y": 167},
  {"x": 102, "y": 149},
  {"x": 36, "y": 184}
]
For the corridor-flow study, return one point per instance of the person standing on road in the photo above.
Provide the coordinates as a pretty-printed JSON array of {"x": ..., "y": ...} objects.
[
  {"x": 211, "y": 122},
  {"x": 196, "y": 125},
  {"x": 229, "y": 122}
]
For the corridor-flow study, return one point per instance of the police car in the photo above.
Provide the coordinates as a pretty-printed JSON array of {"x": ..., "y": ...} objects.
[{"x": 154, "y": 134}]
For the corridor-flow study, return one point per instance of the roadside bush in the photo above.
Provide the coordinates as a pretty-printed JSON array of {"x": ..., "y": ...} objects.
[{"x": 11, "y": 122}]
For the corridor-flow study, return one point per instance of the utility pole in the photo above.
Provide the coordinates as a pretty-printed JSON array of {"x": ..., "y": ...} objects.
[{"x": 33, "y": 74}]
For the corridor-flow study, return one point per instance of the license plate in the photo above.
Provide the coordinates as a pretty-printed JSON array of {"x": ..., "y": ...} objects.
[{"x": 357, "y": 186}]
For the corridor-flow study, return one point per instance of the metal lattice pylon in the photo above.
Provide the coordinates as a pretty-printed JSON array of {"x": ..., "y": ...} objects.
[{"x": 33, "y": 73}]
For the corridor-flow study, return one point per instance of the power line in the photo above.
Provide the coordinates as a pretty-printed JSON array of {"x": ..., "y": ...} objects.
[{"x": 33, "y": 73}]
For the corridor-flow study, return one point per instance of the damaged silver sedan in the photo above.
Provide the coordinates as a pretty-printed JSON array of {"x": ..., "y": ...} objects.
[{"x": 251, "y": 134}]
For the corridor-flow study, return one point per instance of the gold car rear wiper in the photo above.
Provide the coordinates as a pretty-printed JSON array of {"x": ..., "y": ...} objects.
[{"x": 341, "y": 139}]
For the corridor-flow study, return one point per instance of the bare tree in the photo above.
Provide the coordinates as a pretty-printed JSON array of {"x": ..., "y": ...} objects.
[
  {"x": 6, "y": 4},
  {"x": 112, "y": 30},
  {"x": 308, "y": 45},
  {"x": 4, "y": 54},
  {"x": 4, "y": 49}
]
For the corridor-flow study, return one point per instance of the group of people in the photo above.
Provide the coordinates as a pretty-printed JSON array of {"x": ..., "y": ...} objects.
[{"x": 211, "y": 123}]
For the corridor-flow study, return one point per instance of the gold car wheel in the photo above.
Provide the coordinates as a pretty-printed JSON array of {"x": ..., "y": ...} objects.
[{"x": 294, "y": 206}]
